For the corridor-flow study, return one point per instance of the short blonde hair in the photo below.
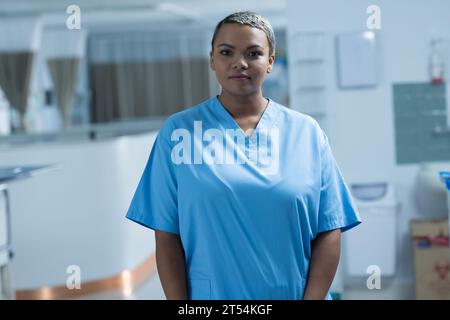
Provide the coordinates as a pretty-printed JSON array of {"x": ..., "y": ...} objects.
[{"x": 251, "y": 19}]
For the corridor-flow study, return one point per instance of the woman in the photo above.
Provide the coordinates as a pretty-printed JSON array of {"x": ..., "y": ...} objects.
[{"x": 244, "y": 195}]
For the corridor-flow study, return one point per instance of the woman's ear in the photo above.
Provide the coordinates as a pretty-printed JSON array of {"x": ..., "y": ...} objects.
[
  {"x": 271, "y": 62},
  {"x": 211, "y": 60}
]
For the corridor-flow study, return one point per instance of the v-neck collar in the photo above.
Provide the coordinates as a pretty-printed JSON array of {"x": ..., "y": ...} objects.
[{"x": 263, "y": 122}]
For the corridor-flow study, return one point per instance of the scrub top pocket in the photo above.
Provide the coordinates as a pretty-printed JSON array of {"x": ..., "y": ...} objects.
[{"x": 199, "y": 289}]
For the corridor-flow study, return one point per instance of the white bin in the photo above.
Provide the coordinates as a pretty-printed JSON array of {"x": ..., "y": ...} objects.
[{"x": 374, "y": 241}]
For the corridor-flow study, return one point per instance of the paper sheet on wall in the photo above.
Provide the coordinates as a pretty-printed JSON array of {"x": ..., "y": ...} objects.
[{"x": 357, "y": 59}]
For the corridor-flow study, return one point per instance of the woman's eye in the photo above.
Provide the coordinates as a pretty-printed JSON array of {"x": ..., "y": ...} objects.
[
  {"x": 255, "y": 53},
  {"x": 225, "y": 52}
]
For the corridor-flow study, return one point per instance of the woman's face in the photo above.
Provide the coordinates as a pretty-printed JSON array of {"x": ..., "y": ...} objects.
[{"x": 240, "y": 58}]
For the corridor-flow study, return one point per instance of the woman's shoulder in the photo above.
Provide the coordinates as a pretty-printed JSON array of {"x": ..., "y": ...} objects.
[
  {"x": 301, "y": 124},
  {"x": 297, "y": 117}
]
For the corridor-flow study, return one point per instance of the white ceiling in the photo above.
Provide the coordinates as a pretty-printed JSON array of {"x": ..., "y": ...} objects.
[{"x": 101, "y": 13}]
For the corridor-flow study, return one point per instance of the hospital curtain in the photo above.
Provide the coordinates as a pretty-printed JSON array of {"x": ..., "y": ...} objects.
[
  {"x": 19, "y": 41},
  {"x": 145, "y": 74},
  {"x": 64, "y": 73},
  {"x": 64, "y": 49},
  {"x": 15, "y": 76}
]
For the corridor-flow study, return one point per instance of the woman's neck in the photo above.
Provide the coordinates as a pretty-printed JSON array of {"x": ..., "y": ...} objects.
[{"x": 243, "y": 106}]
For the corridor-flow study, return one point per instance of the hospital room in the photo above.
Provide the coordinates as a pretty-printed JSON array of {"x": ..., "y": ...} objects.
[{"x": 243, "y": 150}]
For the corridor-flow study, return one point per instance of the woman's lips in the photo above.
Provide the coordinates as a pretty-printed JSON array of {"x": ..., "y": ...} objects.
[{"x": 241, "y": 78}]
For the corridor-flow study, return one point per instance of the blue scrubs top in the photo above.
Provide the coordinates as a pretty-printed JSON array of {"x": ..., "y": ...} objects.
[{"x": 246, "y": 225}]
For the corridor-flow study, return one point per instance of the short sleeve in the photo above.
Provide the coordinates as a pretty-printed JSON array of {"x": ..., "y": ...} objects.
[
  {"x": 154, "y": 203},
  {"x": 336, "y": 207}
]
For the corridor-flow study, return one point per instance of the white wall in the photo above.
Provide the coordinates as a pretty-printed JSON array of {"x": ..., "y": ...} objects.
[{"x": 360, "y": 123}]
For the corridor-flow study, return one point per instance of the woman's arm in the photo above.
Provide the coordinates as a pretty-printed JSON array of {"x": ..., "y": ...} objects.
[
  {"x": 171, "y": 266},
  {"x": 325, "y": 252}
]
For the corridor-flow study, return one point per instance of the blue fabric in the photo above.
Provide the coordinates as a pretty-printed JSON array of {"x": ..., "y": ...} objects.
[{"x": 246, "y": 225}]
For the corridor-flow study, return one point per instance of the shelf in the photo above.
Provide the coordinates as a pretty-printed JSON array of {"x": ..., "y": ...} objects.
[
  {"x": 310, "y": 60},
  {"x": 307, "y": 45}
]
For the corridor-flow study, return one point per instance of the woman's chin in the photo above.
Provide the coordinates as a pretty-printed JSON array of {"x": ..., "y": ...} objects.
[{"x": 241, "y": 92}]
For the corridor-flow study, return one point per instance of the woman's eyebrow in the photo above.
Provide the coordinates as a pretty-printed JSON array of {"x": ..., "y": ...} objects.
[
  {"x": 233, "y": 47},
  {"x": 255, "y": 46}
]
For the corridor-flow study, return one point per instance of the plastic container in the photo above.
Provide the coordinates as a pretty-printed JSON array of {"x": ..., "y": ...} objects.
[{"x": 445, "y": 177}]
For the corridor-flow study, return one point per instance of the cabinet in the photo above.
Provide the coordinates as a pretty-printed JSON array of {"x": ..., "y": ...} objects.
[
  {"x": 5, "y": 282},
  {"x": 307, "y": 74}
]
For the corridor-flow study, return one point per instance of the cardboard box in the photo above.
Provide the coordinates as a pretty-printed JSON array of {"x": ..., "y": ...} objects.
[{"x": 430, "y": 239}]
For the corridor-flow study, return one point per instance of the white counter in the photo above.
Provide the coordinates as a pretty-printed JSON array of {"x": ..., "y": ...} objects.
[{"x": 75, "y": 215}]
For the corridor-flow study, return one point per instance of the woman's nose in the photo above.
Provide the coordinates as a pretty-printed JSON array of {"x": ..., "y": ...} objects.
[{"x": 240, "y": 63}]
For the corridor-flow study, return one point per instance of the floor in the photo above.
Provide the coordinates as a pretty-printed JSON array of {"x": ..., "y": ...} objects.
[
  {"x": 149, "y": 290},
  {"x": 404, "y": 292},
  {"x": 152, "y": 290}
]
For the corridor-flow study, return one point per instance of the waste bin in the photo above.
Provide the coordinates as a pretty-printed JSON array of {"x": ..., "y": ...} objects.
[{"x": 374, "y": 242}]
